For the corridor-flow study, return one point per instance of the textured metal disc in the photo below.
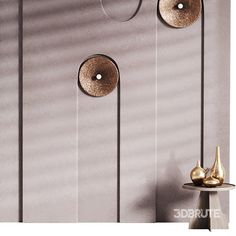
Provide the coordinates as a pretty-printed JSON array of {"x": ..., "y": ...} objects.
[
  {"x": 180, "y": 13},
  {"x": 98, "y": 76}
]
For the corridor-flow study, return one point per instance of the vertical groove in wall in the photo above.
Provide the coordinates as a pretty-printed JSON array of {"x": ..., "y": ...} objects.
[
  {"x": 118, "y": 152},
  {"x": 202, "y": 80},
  {"x": 20, "y": 92},
  {"x": 155, "y": 181}
]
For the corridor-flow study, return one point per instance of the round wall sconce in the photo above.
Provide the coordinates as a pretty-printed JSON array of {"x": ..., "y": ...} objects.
[
  {"x": 180, "y": 13},
  {"x": 98, "y": 76}
]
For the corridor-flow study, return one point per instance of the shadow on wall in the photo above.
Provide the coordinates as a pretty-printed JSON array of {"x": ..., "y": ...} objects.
[{"x": 168, "y": 194}]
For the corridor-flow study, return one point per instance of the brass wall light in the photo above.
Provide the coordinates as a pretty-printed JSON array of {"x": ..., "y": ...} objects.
[
  {"x": 98, "y": 76},
  {"x": 180, "y": 13}
]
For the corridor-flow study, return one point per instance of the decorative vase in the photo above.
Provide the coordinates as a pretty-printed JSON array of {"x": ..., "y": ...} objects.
[
  {"x": 211, "y": 182},
  {"x": 198, "y": 174},
  {"x": 217, "y": 170}
]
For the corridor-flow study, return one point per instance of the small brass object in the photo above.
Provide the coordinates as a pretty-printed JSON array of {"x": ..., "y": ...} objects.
[
  {"x": 211, "y": 182},
  {"x": 98, "y": 76},
  {"x": 217, "y": 170},
  {"x": 198, "y": 174},
  {"x": 180, "y": 13}
]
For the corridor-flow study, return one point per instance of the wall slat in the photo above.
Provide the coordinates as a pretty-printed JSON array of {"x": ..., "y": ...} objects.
[
  {"x": 138, "y": 108},
  {"x": 9, "y": 111},
  {"x": 178, "y": 116},
  {"x": 50, "y": 111},
  {"x": 217, "y": 89}
]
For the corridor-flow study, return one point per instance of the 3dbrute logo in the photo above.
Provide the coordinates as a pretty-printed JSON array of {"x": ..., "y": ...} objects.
[{"x": 196, "y": 213}]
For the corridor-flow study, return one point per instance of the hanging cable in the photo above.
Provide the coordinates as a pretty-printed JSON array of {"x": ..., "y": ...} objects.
[{"x": 202, "y": 81}]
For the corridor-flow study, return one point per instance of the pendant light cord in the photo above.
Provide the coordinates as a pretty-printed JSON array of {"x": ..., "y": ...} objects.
[
  {"x": 202, "y": 80},
  {"x": 118, "y": 151},
  {"x": 20, "y": 110}
]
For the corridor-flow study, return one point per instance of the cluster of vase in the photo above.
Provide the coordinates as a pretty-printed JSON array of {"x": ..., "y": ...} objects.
[{"x": 209, "y": 177}]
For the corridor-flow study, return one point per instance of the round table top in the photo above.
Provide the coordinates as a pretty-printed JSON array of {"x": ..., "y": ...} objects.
[{"x": 223, "y": 187}]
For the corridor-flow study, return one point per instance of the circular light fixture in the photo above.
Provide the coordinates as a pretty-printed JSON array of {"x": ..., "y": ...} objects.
[
  {"x": 98, "y": 75},
  {"x": 180, "y": 13}
]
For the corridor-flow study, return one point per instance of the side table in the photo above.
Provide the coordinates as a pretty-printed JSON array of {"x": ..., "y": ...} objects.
[{"x": 208, "y": 213}]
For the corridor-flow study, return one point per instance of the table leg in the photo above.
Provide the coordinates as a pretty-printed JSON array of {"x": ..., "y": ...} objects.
[{"x": 208, "y": 213}]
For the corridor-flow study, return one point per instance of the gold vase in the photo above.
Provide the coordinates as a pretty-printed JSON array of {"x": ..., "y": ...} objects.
[
  {"x": 198, "y": 174},
  {"x": 217, "y": 170},
  {"x": 211, "y": 182}
]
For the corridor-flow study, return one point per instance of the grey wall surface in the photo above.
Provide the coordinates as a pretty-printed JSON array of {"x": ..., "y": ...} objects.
[
  {"x": 217, "y": 95},
  {"x": 9, "y": 110},
  {"x": 119, "y": 158}
]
